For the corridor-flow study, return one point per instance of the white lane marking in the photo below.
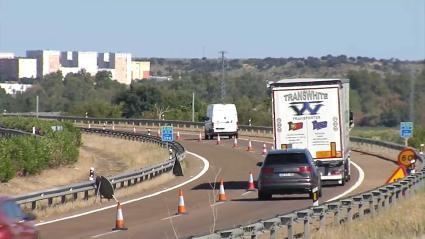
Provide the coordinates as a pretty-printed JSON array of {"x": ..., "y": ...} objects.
[
  {"x": 203, "y": 171},
  {"x": 217, "y": 203},
  {"x": 245, "y": 193},
  {"x": 103, "y": 234},
  {"x": 165, "y": 218},
  {"x": 356, "y": 185}
]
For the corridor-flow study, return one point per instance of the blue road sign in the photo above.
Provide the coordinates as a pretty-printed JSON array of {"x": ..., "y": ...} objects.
[
  {"x": 167, "y": 133},
  {"x": 406, "y": 129}
]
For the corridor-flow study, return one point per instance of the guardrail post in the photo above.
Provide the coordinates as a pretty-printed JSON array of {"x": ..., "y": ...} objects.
[
  {"x": 372, "y": 207},
  {"x": 404, "y": 188},
  {"x": 75, "y": 196},
  {"x": 305, "y": 216},
  {"x": 385, "y": 193},
  {"x": 272, "y": 225},
  {"x": 391, "y": 192},
  {"x": 288, "y": 220},
  {"x": 253, "y": 230},
  {"x": 412, "y": 179},
  {"x": 368, "y": 197},
  {"x": 335, "y": 208},
  {"x": 398, "y": 190},
  {"x": 359, "y": 202},
  {"x": 33, "y": 205},
  {"x": 319, "y": 212},
  {"x": 233, "y": 233},
  {"x": 347, "y": 204},
  {"x": 50, "y": 201}
]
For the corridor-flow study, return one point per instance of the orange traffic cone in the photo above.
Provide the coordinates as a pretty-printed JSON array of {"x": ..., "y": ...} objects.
[
  {"x": 181, "y": 208},
  {"x": 264, "y": 150},
  {"x": 178, "y": 135},
  {"x": 200, "y": 137},
  {"x": 235, "y": 143},
  {"x": 218, "y": 139},
  {"x": 221, "y": 194},
  {"x": 119, "y": 223},
  {"x": 249, "y": 146},
  {"x": 158, "y": 133},
  {"x": 251, "y": 186}
]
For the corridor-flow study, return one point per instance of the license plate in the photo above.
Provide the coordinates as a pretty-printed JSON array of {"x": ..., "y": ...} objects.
[{"x": 286, "y": 174}]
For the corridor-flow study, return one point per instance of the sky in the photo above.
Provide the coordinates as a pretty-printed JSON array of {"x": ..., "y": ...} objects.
[{"x": 201, "y": 28}]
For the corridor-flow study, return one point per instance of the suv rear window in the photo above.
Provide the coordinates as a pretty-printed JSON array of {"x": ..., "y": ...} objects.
[{"x": 290, "y": 158}]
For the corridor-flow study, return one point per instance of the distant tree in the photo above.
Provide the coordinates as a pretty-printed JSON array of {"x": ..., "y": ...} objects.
[
  {"x": 140, "y": 97},
  {"x": 312, "y": 62},
  {"x": 96, "y": 108}
]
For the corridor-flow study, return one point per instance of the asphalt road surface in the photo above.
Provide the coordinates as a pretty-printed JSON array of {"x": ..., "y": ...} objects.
[{"x": 155, "y": 216}]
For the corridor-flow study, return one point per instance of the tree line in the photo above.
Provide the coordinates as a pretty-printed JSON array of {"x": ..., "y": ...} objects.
[{"x": 376, "y": 99}]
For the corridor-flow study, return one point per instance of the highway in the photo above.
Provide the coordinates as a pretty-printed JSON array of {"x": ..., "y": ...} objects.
[{"x": 153, "y": 216}]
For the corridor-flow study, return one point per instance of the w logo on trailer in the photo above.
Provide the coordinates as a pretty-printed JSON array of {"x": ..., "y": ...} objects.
[{"x": 301, "y": 107}]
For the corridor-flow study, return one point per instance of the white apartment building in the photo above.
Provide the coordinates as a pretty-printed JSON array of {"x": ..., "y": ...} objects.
[
  {"x": 7, "y": 55},
  {"x": 14, "y": 88},
  {"x": 14, "y": 69},
  {"x": 119, "y": 64}
]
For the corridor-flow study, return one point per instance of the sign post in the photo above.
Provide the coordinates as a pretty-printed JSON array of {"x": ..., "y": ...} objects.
[{"x": 406, "y": 131}]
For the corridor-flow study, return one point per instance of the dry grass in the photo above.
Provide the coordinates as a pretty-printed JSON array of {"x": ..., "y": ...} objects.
[
  {"x": 109, "y": 156},
  {"x": 404, "y": 220},
  {"x": 43, "y": 211}
]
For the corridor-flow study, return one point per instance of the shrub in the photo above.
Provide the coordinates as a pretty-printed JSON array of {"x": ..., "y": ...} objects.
[{"x": 25, "y": 155}]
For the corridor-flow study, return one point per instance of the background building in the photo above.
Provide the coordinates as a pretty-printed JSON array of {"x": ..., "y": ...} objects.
[
  {"x": 14, "y": 88},
  {"x": 119, "y": 64},
  {"x": 7, "y": 55},
  {"x": 13, "y": 69},
  {"x": 42, "y": 62},
  {"x": 140, "y": 70}
]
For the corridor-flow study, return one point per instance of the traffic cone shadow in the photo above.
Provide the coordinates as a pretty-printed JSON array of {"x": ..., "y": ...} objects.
[{"x": 119, "y": 222}]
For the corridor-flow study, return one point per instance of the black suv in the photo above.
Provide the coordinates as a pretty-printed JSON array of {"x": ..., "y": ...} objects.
[{"x": 287, "y": 172}]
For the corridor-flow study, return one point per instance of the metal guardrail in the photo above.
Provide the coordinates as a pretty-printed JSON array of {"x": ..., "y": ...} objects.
[
  {"x": 118, "y": 181},
  {"x": 7, "y": 133}
]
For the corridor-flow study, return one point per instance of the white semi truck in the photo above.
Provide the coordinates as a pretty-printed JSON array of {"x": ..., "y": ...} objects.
[{"x": 314, "y": 114}]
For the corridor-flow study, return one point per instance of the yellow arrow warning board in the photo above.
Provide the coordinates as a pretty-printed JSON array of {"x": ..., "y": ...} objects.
[{"x": 398, "y": 174}]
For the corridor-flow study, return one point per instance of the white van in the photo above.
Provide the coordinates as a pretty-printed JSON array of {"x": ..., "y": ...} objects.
[{"x": 222, "y": 119}]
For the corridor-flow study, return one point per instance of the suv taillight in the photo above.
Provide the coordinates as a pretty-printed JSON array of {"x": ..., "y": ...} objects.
[
  {"x": 267, "y": 170},
  {"x": 304, "y": 169}
]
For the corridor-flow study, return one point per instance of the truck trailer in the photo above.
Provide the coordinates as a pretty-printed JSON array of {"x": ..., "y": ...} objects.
[{"x": 314, "y": 114}]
